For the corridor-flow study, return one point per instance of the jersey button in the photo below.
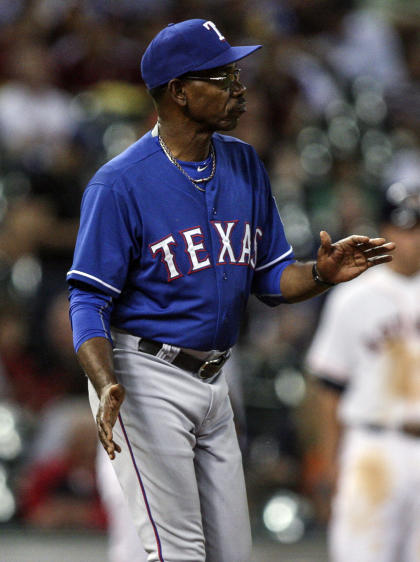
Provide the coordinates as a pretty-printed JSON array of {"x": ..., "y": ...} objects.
[{"x": 225, "y": 276}]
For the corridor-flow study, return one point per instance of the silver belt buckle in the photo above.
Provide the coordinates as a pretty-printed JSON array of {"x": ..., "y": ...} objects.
[{"x": 213, "y": 366}]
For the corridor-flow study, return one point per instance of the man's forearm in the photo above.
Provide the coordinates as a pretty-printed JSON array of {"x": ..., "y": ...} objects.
[
  {"x": 297, "y": 283},
  {"x": 95, "y": 358}
]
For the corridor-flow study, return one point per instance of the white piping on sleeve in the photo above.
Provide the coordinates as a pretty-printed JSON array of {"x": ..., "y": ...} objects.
[
  {"x": 94, "y": 279},
  {"x": 275, "y": 261}
]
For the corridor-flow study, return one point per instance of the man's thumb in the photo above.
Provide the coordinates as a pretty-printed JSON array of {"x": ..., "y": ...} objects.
[
  {"x": 325, "y": 239},
  {"x": 117, "y": 393}
]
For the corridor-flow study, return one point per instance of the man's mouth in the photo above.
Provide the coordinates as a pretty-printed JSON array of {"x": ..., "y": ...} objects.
[{"x": 239, "y": 108}]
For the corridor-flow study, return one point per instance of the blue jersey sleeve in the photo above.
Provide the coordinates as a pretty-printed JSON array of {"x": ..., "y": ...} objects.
[
  {"x": 274, "y": 254},
  {"x": 105, "y": 243},
  {"x": 90, "y": 313}
]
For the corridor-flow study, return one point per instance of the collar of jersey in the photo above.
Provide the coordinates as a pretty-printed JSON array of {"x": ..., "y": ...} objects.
[
  {"x": 192, "y": 170},
  {"x": 190, "y": 167}
]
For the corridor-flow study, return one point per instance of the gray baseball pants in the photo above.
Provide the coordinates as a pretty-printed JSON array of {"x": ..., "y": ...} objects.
[{"x": 180, "y": 466}]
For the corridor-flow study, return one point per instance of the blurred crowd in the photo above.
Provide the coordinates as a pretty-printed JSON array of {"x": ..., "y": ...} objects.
[{"x": 333, "y": 111}]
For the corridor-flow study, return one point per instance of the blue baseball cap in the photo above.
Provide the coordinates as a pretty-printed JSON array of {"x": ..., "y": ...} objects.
[{"x": 179, "y": 48}]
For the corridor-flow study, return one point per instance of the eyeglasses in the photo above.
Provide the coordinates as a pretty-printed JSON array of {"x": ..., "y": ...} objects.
[{"x": 225, "y": 80}]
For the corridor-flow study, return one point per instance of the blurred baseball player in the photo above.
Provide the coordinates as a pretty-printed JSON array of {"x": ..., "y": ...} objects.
[
  {"x": 367, "y": 354},
  {"x": 175, "y": 234}
]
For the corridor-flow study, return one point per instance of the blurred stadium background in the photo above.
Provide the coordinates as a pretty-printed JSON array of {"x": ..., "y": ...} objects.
[{"x": 334, "y": 112}]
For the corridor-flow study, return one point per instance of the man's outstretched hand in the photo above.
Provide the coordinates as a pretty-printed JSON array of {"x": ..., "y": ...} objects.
[{"x": 351, "y": 256}]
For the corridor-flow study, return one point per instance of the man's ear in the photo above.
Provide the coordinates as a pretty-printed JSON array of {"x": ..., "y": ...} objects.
[{"x": 176, "y": 89}]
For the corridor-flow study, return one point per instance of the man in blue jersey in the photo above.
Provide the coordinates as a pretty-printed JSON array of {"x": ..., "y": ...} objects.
[{"x": 175, "y": 234}]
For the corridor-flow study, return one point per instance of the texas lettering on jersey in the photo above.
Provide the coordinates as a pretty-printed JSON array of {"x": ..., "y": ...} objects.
[{"x": 195, "y": 247}]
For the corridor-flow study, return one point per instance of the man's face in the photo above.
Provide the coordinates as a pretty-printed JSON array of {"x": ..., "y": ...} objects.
[
  {"x": 215, "y": 98},
  {"x": 407, "y": 254}
]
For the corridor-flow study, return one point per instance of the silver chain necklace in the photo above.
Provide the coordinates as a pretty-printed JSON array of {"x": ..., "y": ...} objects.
[{"x": 175, "y": 162}]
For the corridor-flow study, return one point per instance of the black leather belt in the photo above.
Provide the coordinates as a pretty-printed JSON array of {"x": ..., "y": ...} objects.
[
  {"x": 413, "y": 430},
  {"x": 187, "y": 362}
]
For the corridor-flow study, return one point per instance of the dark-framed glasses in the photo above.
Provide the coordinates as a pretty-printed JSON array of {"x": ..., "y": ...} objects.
[{"x": 224, "y": 81}]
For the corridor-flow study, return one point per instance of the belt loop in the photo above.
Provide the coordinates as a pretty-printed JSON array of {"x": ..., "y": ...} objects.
[{"x": 168, "y": 352}]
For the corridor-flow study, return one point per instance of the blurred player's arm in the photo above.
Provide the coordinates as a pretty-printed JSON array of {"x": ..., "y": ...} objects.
[
  {"x": 336, "y": 263},
  {"x": 90, "y": 317},
  {"x": 328, "y": 396}
]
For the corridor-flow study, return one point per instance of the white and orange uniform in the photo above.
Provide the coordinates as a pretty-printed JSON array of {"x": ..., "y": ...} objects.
[{"x": 368, "y": 340}]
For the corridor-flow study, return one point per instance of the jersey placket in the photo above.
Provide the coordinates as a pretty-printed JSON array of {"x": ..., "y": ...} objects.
[{"x": 219, "y": 272}]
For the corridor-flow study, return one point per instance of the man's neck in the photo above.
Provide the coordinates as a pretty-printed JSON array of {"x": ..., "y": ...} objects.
[
  {"x": 184, "y": 142},
  {"x": 403, "y": 268}
]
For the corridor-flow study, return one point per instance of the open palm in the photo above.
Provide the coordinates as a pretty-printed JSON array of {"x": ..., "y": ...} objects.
[{"x": 351, "y": 256}]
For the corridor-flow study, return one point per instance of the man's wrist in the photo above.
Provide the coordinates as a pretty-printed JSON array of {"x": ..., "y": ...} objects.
[{"x": 318, "y": 279}]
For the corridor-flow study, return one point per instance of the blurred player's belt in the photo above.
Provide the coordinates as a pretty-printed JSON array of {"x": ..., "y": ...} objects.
[
  {"x": 411, "y": 429},
  {"x": 185, "y": 361}
]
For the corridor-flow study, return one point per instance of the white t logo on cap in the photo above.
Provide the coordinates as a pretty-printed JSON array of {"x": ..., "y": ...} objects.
[{"x": 210, "y": 25}]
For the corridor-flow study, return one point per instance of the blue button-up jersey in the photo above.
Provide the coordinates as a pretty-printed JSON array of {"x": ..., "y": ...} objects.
[{"x": 180, "y": 263}]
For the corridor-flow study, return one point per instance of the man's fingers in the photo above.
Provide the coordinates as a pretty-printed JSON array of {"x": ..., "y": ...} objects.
[
  {"x": 378, "y": 260},
  {"x": 105, "y": 439},
  {"x": 358, "y": 240},
  {"x": 111, "y": 448},
  {"x": 108, "y": 444},
  {"x": 102, "y": 434},
  {"x": 377, "y": 243},
  {"x": 379, "y": 250},
  {"x": 363, "y": 242},
  {"x": 105, "y": 435},
  {"x": 104, "y": 431},
  {"x": 389, "y": 246}
]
